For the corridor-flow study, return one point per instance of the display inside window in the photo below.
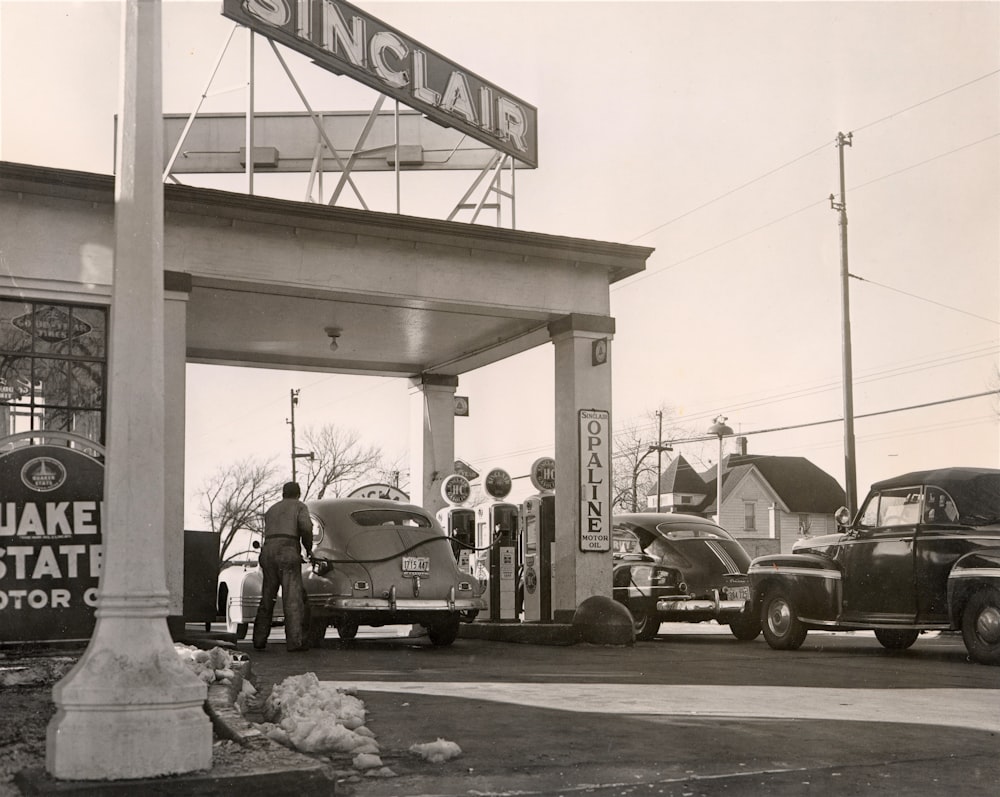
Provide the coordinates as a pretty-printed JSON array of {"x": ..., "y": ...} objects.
[{"x": 53, "y": 368}]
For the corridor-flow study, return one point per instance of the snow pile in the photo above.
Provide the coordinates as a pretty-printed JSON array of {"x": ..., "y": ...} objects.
[
  {"x": 245, "y": 699},
  {"x": 315, "y": 717},
  {"x": 437, "y": 752},
  {"x": 209, "y": 665}
]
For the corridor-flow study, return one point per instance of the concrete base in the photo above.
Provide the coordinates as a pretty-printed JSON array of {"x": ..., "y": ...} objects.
[
  {"x": 130, "y": 708},
  {"x": 526, "y": 633},
  {"x": 603, "y": 621}
]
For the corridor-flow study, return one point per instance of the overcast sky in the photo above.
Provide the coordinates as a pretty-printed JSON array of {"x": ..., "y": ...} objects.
[{"x": 705, "y": 130}]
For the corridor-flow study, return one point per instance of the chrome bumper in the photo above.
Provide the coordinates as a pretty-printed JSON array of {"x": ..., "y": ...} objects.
[
  {"x": 405, "y": 604},
  {"x": 714, "y": 606}
]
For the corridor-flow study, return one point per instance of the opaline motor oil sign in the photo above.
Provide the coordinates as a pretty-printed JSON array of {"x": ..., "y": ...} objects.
[
  {"x": 50, "y": 543},
  {"x": 595, "y": 480}
]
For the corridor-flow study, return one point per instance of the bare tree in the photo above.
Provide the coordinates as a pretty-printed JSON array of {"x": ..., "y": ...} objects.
[
  {"x": 634, "y": 457},
  {"x": 340, "y": 462},
  {"x": 235, "y": 497}
]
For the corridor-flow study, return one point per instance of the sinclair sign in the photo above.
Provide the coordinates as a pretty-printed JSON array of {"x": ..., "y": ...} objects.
[{"x": 345, "y": 40}]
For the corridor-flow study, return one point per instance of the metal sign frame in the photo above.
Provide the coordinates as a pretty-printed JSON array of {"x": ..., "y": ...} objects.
[{"x": 493, "y": 189}]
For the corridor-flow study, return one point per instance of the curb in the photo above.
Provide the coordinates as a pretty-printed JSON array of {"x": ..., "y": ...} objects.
[{"x": 523, "y": 633}]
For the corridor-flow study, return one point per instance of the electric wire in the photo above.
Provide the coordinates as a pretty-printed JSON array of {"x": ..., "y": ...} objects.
[
  {"x": 924, "y": 299},
  {"x": 928, "y": 100}
]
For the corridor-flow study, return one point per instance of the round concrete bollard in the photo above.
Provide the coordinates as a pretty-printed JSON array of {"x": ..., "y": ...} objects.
[{"x": 603, "y": 621}]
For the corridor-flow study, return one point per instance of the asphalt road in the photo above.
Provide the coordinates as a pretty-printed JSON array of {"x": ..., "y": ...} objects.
[{"x": 693, "y": 712}]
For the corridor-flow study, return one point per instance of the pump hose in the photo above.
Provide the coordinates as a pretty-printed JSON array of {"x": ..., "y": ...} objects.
[{"x": 400, "y": 553}]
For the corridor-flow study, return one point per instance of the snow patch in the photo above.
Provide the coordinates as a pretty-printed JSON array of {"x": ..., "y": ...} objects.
[
  {"x": 437, "y": 752},
  {"x": 315, "y": 717}
]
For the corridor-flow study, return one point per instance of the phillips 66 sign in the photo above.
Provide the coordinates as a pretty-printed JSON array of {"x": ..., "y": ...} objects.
[{"x": 595, "y": 480}]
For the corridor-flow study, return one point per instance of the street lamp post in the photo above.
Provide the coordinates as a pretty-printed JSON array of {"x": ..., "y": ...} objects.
[{"x": 720, "y": 430}]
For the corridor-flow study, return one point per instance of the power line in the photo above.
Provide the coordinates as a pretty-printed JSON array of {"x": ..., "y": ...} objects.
[
  {"x": 928, "y": 160},
  {"x": 821, "y": 147},
  {"x": 929, "y": 99},
  {"x": 645, "y": 275},
  {"x": 984, "y": 349},
  {"x": 732, "y": 191},
  {"x": 924, "y": 299},
  {"x": 704, "y": 438},
  {"x": 639, "y": 277}
]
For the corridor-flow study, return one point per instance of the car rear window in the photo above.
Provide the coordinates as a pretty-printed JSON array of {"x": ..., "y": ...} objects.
[
  {"x": 390, "y": 517},
  {"x": 700, "y": 532}
]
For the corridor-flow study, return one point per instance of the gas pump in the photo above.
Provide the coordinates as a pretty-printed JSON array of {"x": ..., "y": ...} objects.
[
  {"x": 496, "y": 532},
  {"x": 459, "y": 523},
  {"x": 538, "y": 534}
]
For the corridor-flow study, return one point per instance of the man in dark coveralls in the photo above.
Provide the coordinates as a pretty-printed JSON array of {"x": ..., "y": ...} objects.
[{"x": 286, "y": 524}]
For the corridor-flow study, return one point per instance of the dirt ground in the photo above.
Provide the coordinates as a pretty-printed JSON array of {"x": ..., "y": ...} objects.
[{"x": 26, "y": 706}]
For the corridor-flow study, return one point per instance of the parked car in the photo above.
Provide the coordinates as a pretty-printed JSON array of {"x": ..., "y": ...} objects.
[
  {"x": 922, "y": 554},
  {"x": 680, "y": 568},
  {"x": 375, "y": 562},
  {"x": 236, "y": 605}
]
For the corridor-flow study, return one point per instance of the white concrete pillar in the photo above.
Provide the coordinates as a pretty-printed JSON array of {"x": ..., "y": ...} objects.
[
  {"x": 177, "y": 289},
  {"x": 130, "y": 708},
  {"x": 432, "y": 438},
  {"x": 580, "y": 384}
]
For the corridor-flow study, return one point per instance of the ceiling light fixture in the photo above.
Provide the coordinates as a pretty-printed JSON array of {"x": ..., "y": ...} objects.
[{"x": 334, "y": 333}]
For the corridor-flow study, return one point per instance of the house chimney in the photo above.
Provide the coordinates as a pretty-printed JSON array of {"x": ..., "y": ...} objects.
[{"x": 742, "y": 443}]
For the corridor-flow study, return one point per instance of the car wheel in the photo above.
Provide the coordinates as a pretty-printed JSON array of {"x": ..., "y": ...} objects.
[
  {"x": 347, "y": 629},
  {"x": 981, "y": 626},
  {"x": 782, "y": 629},
  {"x": 316, "y": 632},
  {"x": 645, "y": 623},
  {"x": 443, "y": 632},
  {"x": 896, "y": 638},
  {"x": 745, "y": 627}
]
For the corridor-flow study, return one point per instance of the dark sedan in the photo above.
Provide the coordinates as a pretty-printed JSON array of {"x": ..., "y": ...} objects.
[
  {"x": 680, "y": 568},
  {"x": 922, "y": 554}
]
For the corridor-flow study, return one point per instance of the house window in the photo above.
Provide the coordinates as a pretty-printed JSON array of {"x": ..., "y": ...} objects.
[
  {"x": 749, "y": 516},
  {"x": 685, "y": 499}
]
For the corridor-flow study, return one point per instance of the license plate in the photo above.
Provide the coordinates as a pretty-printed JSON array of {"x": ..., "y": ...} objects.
[
  {"x": 738, "y": 593},
  {"x": 416, "y": 565}
]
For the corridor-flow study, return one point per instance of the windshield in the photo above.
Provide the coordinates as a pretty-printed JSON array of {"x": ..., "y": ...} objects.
[{"x": 899, "y": 506}]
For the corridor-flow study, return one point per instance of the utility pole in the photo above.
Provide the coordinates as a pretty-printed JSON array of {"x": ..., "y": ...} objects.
[
  {"x": 294, "y": 396},
  {"x": 659, "y": 456},
  {"x": 850, "y": 464}
]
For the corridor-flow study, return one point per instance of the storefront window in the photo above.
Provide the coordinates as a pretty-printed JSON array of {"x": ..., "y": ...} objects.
[{"x": 52, "y": 368}]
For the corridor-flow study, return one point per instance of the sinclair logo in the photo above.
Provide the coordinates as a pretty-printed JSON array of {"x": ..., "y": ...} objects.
[{"x": 43, "y": 474}]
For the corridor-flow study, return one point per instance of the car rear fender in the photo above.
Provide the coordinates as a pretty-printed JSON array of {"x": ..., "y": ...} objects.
[
  {"x": 967, "y": 576},
  {"x": 813, "y": 584}
]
